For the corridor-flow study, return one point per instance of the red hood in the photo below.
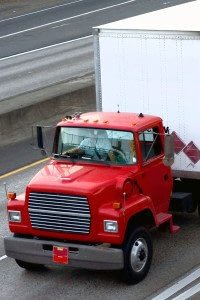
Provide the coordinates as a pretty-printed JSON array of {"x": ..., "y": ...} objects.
[{"x": 84, "y": 179}]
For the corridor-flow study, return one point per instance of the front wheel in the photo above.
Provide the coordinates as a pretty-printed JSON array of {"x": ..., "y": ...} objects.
[
  {"x": 138, "y": 253},
  {"x": 30, "y": 266}
]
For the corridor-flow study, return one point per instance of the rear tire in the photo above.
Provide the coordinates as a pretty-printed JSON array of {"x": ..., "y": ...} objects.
[
  {"x": 30, "y": 266},
  {"x": 138, "y": 253}
]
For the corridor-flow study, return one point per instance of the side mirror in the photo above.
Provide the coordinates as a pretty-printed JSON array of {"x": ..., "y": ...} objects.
[
  {"x": 42, "y": 138},
  {"x": 40, "y": 142},
  {"x": 168, "y": 159}
]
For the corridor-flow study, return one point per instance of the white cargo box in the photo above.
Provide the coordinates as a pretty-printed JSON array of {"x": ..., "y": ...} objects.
[{"x": 151, "y": 64}]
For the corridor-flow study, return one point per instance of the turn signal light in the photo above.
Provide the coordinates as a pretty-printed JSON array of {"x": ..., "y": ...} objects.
[
  {"x": 117, "y": 205},
  {"x": 11, "y": 196}
]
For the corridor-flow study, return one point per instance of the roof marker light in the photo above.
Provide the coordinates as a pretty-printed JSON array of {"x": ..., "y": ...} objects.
[{"x": 141, "y": 115}]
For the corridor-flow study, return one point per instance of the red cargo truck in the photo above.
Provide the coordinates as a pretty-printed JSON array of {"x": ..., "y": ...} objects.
[{"x": 92, "y": 206}]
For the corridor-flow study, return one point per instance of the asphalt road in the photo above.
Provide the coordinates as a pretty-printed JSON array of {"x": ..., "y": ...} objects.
[
  {"x": 68, "y": 21},
  {"x": 174, "y": 256},
  {"x": 33, "y": 30},
  {"x": 42, "y": 69}
]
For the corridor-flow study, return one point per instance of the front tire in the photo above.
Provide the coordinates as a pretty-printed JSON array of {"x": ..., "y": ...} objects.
[
  {"x": 30, "y": 266},
  {"x": 27, "y": 265},
  {"x": 138, "y": 252}
]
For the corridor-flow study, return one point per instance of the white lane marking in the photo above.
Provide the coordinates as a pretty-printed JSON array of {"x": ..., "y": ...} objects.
[
  {"x": 38, "y": 11},
  {"x": 3, "y": 257},
  {"x": 66, "y": 19},
  {"x": 189, "y": 293},
  {"x": 178, "y": 285},
  {"x": 47, "y": 47},
  {"x": 62, "y": 25}
]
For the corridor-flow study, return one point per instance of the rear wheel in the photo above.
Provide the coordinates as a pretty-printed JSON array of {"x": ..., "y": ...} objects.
[
  {"x": 138, "y": 253},
  {"x": 30, "y": 266}
]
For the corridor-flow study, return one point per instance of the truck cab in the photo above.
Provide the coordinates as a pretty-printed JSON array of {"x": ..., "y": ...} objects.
[{"x": 94, "y": 203}]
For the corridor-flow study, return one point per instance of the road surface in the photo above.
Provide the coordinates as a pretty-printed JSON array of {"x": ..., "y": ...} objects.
[
  {"x": 175, "y": 268},
  {"x": 68, "y": 21}
]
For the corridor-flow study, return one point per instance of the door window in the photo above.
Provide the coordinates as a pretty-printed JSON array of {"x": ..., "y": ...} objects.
[{"x": 150, "y": 142}]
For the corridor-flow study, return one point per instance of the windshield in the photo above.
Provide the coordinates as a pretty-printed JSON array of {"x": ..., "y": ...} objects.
[{"x": 101, "y": 145}]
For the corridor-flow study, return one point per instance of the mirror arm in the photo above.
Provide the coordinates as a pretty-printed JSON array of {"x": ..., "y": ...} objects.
[{"x": 168, "y": 159}]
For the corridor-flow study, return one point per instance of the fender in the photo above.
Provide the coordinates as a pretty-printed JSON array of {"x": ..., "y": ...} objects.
[{"x": 137, "y": 205}]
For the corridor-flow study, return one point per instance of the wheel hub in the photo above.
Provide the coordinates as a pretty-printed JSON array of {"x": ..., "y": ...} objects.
[{"x": 139, "y": 254}]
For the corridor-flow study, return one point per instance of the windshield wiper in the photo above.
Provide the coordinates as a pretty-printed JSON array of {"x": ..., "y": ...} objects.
[
  {"x": 66, "y": 155},
  {"x": 80, "y": 156}
]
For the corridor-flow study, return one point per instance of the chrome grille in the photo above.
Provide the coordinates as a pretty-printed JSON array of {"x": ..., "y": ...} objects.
[{"x": 58, "y": 212}]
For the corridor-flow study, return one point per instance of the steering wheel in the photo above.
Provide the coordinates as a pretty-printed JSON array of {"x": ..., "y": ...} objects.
[{"x": 119, "y": 156}]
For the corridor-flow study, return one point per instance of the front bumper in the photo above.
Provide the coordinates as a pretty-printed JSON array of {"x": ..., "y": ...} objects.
[{"x": 80, "y": 256}]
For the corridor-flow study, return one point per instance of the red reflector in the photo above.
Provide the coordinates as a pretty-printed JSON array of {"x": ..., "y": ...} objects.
[{"x": 60, "y": 255}]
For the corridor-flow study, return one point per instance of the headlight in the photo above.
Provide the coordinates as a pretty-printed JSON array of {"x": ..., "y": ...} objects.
[
  {"x": 14, "y": 216},
  {"x": 110, "y": 226}
]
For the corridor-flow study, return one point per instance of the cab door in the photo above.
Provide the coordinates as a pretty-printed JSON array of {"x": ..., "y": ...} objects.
[{"x": 156, "y": 179}]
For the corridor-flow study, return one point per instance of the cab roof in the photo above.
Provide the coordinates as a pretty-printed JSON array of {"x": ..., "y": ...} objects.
[{"x": 117, "y": 120}]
